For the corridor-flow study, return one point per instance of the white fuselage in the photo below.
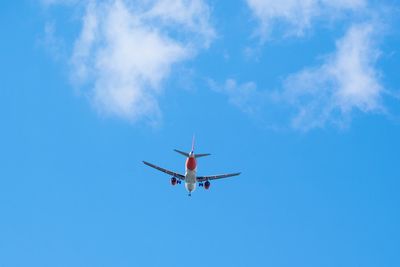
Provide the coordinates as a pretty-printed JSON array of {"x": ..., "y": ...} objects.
[
  {"x": 190, "y": 173},
  {"x": 190, "y": 180}
]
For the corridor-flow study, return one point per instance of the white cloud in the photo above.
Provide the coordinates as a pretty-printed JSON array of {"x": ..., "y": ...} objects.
[
  {"x": 55, "y": 46},
  {"x": 296, "y": 15},
  {"x": 194, "y": 15},
  {"x": 346, "y": 82},
  {"x": 127, "y": 49},
  {"x": 244, "y": 96}
]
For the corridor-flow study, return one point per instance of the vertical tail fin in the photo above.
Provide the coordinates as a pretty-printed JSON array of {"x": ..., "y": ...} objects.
[{"x": 193, "y": 140}]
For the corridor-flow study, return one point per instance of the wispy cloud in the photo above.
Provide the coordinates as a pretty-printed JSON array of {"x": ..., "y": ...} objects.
[
  {"x": 345, "y": 82},
  {"x": 54, "y": 46},
  {"x": 127, "y": 49},
  {"x": 293, "y": 17},
  {"x": 244, "y": 96}
]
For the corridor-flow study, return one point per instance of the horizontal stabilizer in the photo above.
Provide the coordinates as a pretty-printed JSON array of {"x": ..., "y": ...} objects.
[
  {"x": 182, "y": 153},
  {"x": 201, "y": 155}
]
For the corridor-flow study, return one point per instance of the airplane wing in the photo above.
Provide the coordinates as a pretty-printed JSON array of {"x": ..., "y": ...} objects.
[
  {"x": 214, "y": 177},
  {"x": 175, "y": 174}
]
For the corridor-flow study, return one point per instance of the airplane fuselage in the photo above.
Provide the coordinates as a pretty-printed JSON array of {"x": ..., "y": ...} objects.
[{"x": 190, "y": 173}]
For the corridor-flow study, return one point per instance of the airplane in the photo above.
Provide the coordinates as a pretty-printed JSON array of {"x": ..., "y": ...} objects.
[{"x": 190, "y": 178}]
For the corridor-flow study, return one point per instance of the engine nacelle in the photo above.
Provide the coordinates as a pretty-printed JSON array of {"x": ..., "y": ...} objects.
[
  {"x": 174, "y": 181},
  {"x": 207, "y": 185}
]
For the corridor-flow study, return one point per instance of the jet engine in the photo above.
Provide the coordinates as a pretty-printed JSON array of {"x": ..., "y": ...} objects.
[
  {"x": 174, "y": 181},
  {"x": 207, "y": 185}
]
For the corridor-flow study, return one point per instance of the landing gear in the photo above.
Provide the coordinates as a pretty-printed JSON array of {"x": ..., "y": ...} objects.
[{"x": 200, "y": 184}]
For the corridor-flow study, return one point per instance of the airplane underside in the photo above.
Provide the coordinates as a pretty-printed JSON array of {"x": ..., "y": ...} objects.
[{"x": 190, "y": 181}]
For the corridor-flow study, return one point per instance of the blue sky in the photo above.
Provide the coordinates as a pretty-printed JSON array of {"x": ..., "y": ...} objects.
[{"x": 302, "y": 97}]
